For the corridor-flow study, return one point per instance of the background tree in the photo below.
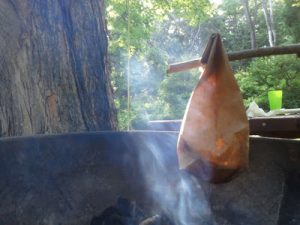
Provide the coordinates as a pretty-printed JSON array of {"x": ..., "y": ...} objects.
[
  {"x": 268, "y": 14},
  {"x": 250, "y": 23}
]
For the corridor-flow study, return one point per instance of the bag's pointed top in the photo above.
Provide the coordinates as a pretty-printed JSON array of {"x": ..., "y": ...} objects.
[{"x": 213, "y": 40}]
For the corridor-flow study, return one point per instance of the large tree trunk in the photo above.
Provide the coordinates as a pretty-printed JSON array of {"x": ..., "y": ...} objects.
[{"x": 53, "y": 67}]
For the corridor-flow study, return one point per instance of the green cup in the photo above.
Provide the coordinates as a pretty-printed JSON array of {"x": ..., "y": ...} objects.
[{"x": 275, "y": 99}]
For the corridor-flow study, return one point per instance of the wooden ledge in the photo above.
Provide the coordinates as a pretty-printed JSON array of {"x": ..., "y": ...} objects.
[{"x": 277, "y": 126}]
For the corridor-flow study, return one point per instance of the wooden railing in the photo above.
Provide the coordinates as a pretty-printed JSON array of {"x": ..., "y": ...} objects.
[{"x": 246, "y": 54}]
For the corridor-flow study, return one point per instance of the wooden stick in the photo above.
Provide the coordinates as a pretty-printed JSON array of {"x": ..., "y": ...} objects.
[
  {"x": 260, "y": 52},
  {"x": 183, "y": 66}
]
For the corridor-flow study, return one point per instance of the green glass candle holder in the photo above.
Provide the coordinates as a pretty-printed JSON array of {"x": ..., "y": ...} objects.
[{"x": 275, "y": 99}]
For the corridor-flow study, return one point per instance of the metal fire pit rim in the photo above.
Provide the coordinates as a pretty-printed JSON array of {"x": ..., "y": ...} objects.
[{"x": 90, "y": 133}]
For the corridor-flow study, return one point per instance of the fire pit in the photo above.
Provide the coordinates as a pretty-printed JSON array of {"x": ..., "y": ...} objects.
[{"x": 70, "y": 178}]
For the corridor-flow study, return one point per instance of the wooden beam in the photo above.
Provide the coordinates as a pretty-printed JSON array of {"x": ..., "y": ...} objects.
[
  {"x": 246, "y": 54},
  {"x": 183, "y": 66}
]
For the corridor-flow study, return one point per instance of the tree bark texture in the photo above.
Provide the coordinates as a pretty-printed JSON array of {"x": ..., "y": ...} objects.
[{"x": 53, "y": 67}]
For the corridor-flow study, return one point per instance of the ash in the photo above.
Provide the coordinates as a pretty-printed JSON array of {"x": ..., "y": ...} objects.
[{"x": 126, "y": 212}]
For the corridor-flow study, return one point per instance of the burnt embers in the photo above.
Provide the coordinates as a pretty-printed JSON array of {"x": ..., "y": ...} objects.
[{"x": 126, "y": 212}]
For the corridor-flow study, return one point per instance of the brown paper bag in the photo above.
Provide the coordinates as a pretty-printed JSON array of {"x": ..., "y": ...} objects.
[{"x": 214, "y": 135}]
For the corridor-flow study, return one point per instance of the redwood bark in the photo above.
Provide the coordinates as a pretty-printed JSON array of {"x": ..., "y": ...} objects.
[{"x": 53, "y": 67}]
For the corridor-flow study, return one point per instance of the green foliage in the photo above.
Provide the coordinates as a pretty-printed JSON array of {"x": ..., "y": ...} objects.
[
  {"x": 264, "y": 74},
  {"x": 229, "y": 21},
  {"x": 175, "y": 91},
  {"x": 148, "y": 35},
  {"x": 193, "y": 11},
  {"x": 131, "y": 22},
  {"x": 290, "y": 17},
  {"x": 145, "y": 35}
]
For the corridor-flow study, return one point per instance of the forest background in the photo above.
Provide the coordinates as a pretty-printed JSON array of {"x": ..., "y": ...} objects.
[{"x": 145, "y": 36}]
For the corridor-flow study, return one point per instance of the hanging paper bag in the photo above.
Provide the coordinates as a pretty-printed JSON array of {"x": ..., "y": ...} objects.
[{"x": 213, "y": 142}]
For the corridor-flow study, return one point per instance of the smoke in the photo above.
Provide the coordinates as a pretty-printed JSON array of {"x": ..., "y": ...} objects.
[
  {"x": 153, "y": 94},
  {"x": 177, "y": 193}
]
